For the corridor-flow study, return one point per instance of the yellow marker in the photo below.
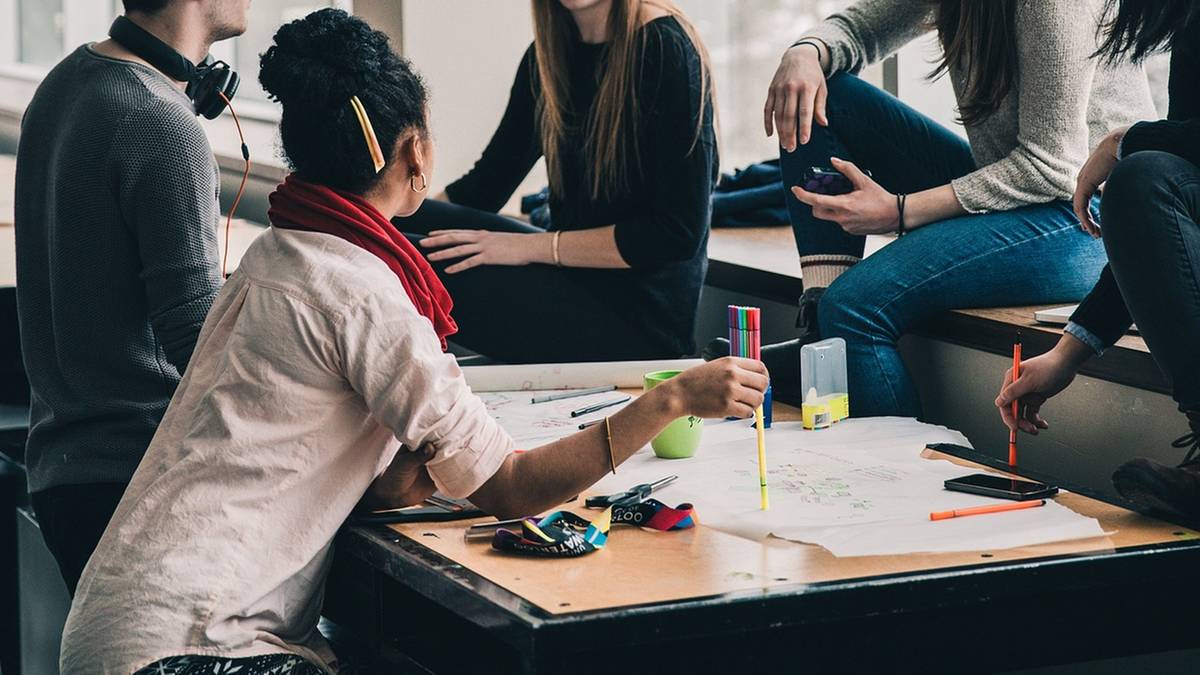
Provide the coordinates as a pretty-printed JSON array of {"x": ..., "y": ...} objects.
[{"x": 762, "y": 456}]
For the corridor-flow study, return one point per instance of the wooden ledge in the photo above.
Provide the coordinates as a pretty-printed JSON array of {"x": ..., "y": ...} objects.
[{"x": 759, "y": 261}]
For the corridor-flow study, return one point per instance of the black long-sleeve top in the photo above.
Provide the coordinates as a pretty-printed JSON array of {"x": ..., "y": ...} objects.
[
  {"x": 1103, "y": 313},
  {"x": 661, "y": 223}
]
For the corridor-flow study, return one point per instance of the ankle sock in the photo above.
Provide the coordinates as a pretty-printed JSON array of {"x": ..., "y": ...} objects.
[{"x": 820, "y": 271}]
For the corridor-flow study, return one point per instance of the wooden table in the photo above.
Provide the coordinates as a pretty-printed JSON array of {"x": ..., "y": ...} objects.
[{"x": 705, "y": 601}]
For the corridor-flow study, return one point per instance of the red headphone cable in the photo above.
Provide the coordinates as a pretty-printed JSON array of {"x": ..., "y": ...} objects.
[{"x": 241, "y": 189}]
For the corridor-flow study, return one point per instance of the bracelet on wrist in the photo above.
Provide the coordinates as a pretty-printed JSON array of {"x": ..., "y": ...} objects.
[
  {"x": 811, "y": 43},
  {"x": 901, "y": 198},
  {"x": 554, "y": 249}
]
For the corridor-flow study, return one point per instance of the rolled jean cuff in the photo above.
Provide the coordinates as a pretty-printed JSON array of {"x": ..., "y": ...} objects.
[{"x": 1086, "y": 336}]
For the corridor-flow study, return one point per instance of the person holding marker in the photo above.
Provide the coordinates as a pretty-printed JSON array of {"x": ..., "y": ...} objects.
[
  {"x": 1150, "y": 225},
  {"x": 981, "y": 222},
  {"x": 320, "y": 380}
]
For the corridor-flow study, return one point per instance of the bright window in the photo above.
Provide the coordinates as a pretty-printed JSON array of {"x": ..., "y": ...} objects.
[{"x": 745, "y": 41}]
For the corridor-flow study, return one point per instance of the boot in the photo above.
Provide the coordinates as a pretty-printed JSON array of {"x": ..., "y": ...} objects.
[
  {"x": 783, "y": 358},
  {"x": 1172, "y": 491}
]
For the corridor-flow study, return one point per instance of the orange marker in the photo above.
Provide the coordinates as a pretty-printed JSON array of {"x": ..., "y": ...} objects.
[
  {"x": 991, "y": 508},
  {"x": 1016, "y": 405}
]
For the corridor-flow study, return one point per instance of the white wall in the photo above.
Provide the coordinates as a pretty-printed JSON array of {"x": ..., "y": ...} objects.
[{"x": 468, "y": 51}]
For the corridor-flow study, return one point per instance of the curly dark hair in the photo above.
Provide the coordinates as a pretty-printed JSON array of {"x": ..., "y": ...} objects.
[{"x": 313, "y": 68}]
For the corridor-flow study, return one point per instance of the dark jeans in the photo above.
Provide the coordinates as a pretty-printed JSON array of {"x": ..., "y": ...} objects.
[
  {"x": 1150, "y": 210},
  {"x": 1031, "y": 255},
  {"x": 530, "y": 314},
  {"x": 72, "y": 518}
]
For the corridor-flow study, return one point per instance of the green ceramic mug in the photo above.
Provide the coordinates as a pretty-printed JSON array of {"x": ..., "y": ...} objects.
[{"x": 680, "y": 438}]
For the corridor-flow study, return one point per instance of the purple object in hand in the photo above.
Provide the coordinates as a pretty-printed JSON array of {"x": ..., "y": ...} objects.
[{"x": 826, "y": 181}]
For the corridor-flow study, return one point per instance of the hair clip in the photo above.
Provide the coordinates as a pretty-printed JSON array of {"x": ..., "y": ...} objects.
[{"x": 368, "y": 133}]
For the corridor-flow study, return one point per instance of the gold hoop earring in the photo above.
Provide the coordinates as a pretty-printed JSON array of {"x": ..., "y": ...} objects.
[{"x": 412, "y": 183}]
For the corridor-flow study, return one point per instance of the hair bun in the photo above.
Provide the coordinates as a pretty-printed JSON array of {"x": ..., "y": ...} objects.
[{"x": 322, "y": 59}]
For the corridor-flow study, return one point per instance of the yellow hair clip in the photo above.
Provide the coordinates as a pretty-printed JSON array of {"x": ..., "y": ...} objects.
[{"x": 368, "y": 133}]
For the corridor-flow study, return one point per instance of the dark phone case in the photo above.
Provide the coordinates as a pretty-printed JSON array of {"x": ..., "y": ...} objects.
[
  {"x": 1050, "y": 491},
  {"x": 825, "y": 181}
]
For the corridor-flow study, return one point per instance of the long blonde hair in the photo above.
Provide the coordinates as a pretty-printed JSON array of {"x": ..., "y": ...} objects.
[{"x": 610, "y": 128}]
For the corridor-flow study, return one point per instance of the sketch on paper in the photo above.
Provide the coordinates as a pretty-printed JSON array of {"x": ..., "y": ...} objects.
[{"x": 534, "y": 424}]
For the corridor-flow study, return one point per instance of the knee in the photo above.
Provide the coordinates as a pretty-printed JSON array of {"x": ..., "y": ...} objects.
[
  {"x": 846, "y": 311},
  {"x": 1140, "y": 186},
  {"x": 842, "y": 85}
]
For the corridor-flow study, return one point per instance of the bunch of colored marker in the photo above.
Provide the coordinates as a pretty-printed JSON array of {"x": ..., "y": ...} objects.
[
  {"x": 745, "y": 340},
  {"x": 744, "y": 335}
]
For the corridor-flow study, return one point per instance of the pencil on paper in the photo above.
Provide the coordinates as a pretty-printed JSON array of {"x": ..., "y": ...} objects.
[
  {"x": 599, "y": 406},
  {"x": 572, "y": 394}
]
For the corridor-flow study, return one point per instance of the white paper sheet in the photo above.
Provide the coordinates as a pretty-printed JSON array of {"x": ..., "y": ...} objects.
[
  {"x": 859, "y": 488},
  {"x": 534, "y": 424},
  {"x": 625, "y": 374}
]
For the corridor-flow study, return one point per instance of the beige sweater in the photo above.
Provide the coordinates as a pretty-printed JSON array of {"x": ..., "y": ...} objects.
[{"x": 1062, "y": 102}]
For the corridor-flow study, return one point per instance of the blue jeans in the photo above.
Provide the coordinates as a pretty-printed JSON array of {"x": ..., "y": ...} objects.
[{"x": 1030, "y": 255}]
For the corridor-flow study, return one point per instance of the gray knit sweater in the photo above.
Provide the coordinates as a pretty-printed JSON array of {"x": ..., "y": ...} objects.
[
  {"x": 116, "y": 206},
  {"x": 1062, "y": 102}
]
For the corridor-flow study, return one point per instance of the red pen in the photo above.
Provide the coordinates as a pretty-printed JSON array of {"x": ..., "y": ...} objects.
[{"x": 1016, "y": 404}]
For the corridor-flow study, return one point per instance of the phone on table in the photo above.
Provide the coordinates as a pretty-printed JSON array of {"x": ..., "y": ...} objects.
[
  {"x": 825, "y": 180},
  {"x": 999, "y": 486}
]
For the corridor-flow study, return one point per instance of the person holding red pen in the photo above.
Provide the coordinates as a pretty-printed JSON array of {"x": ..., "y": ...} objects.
[{"x": 1150, "y": 213}]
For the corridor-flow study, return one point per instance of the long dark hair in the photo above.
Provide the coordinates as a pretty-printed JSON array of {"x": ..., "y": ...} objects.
[
  {"x": 978, "y": 39},
  {"x": 610, "y": 130},
  {"x": 1138, "y": 28}
]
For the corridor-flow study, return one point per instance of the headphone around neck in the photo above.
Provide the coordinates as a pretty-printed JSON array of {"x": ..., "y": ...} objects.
[{"x": 210, "y": 84}]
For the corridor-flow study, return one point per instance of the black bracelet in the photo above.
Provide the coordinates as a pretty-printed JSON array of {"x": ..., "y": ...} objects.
[
  {"x": 811, "y": 43},
  {"x": 901, "y": 198}
]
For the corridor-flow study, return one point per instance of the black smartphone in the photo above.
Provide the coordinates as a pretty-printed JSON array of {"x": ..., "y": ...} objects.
[
  {"x": 999, "y": 486},
  {"x": 826, "y": 181}
]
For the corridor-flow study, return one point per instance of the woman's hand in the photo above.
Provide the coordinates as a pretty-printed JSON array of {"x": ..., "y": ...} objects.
[
  {"x": 796, "y": 96},
  {"x": 1042, "y": 377},
  {"x": 406, "y": 481},
  {"x": 1092, "y": 175},
  {"x": 867, "y": 209},
  {"x": 483, "y": 247},
  {"x": 727, "y": 387}
]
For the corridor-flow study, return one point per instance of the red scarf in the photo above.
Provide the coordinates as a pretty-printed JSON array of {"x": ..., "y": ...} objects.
[{"x": 298, "y": 205}]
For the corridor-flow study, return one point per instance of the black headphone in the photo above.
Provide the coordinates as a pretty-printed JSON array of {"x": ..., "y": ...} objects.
[{"x": 206, "y": 81}]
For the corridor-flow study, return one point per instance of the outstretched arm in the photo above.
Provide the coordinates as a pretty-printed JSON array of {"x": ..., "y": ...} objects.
[{"x": 531, "y": 482}]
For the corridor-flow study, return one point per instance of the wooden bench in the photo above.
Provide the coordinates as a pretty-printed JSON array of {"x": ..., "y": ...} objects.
[{"x": 762, "y": 262}]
